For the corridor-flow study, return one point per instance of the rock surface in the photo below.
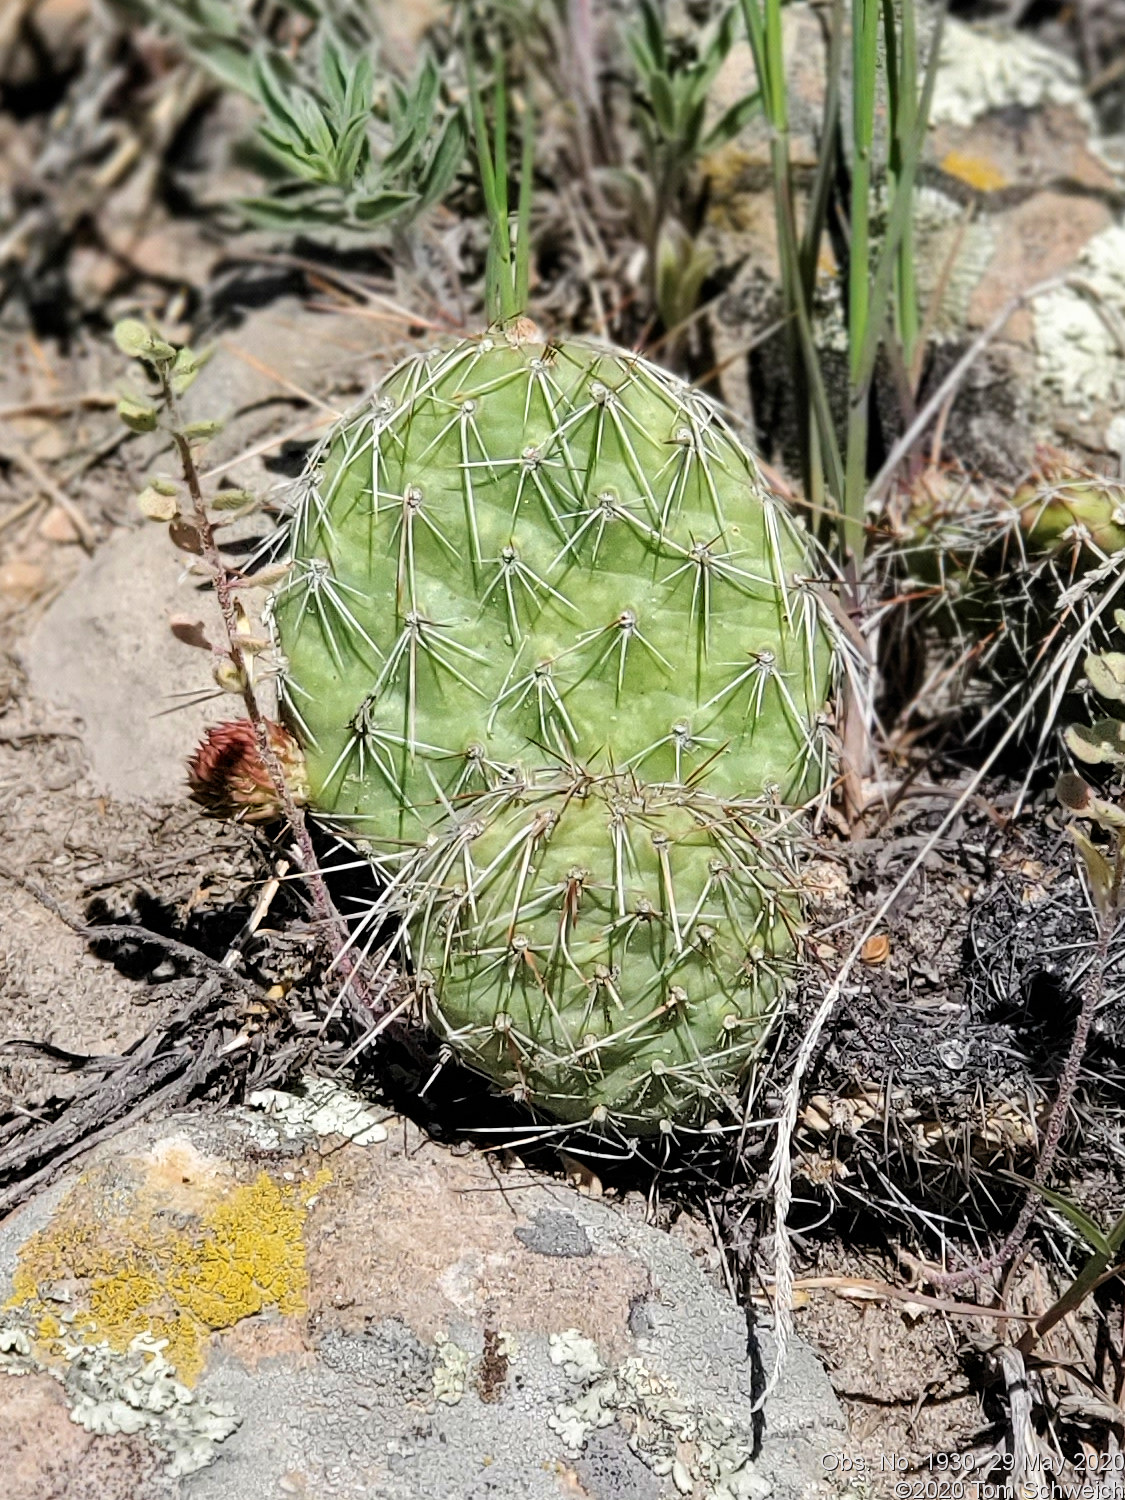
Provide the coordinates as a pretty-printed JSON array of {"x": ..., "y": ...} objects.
[
  {"x": 236, "y": 1308},
  {"x": 103, "y": 652}
]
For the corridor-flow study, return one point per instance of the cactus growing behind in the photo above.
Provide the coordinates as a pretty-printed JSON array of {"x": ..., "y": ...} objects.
[
  {"x": 557, "y": 664},
  {"x": 1009, "y": 592}
]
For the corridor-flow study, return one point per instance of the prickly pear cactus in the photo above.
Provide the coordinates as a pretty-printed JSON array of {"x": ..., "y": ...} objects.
[
  {"x": 555, "y": 660},
  {"x": 1009, "y": 592}
]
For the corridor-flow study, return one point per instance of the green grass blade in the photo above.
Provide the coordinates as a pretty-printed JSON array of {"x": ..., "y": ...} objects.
[{"x": 523, "y": 211}]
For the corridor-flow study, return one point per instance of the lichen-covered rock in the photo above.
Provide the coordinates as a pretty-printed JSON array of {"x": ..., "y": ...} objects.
[
  {"x": 557, "y": 663},
  {"x": 418, "y": 1333}
]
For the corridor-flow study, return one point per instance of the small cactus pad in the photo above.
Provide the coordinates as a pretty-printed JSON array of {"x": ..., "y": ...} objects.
[{"x": 556, "y": 663}]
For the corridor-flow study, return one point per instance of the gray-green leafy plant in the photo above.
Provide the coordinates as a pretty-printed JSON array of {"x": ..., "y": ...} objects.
[
  {"x": 350, "y": 144},
  {"x": 1102, "y": 1264},
  {"x": 673, "y": 119}
]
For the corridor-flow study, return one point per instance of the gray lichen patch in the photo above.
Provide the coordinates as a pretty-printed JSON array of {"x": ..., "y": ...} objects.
[
  {"x": 1080, "y": 330},
  {"x": 707, "y": 1454},
  {"x": 387, "y": 1357},
  {"x": 982, "y": 70},
  {"x": 555, "y": 1233}
]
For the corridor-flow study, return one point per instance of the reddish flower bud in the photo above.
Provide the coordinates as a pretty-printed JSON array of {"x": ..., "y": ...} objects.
[{"x": 229, "y": 779}]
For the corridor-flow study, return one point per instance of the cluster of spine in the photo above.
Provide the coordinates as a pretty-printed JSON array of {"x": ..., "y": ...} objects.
[
  {"x": 557, "y": 664},
  {"x": 1018, "y": 587}
]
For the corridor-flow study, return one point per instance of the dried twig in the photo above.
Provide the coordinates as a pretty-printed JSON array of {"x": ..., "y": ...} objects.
[
  {"x": 35, "y": 471},
  {"x": 128, "y": 932},
  {"x": 55, "y": 406}
]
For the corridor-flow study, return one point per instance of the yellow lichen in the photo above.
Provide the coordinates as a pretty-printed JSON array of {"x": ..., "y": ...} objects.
[
  {"x": 977, "y": 171},
  {"x": 175, "y": 1260}
]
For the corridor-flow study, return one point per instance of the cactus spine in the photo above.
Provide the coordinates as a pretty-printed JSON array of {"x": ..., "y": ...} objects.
[{"x": 556, "y": 663}]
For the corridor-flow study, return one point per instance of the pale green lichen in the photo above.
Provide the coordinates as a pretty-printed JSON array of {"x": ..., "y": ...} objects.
[
  {"x": 133, "y": 1391},
  {"x": 321, "y": 1107},
  {"x": 15, "y": 1345},
  {"x": 705, "y": 1453},
  {"x": 451, "y": 1370},
  {"x": 982, "y": 70},
  {"x": 1080, "y": 330},
  {"x": 138, "y": 1391},
  {"x": 577, "y": 1354}
]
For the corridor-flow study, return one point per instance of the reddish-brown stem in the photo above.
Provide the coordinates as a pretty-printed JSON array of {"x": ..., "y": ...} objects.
[{"x": 328, "y": 919}]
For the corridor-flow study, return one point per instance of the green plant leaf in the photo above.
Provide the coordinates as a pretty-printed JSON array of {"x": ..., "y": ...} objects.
[
  {"x": 731, "y": 121},
  {"x": 289, "y": 214},
  {"x": 137, "y": 415},
  {"x": 199, "y": 432},
  {"x": 651, "y": 35},
  {"x": 379, "y": 207},
  {"x": 230, "y": 62},
  {"x": 1091, "y": 1232},
  {"x": 444, "y": 162},
  {"x": 334, "y": 74},
  {"x": 663, "y": 104},
  {"x": 186, "y": 367},
  {"x": 233, "y": 500},
  {"x": 1100, "y": 744},
  {"x": 349, "y": 152},
  {"x": 1098, "y": 869},
  {"x": 361, "y": 87},
  {"x": 1105, "y": 673},
  {"x": 138, "y": 341},
  {"x": 1105, "y": 814}
]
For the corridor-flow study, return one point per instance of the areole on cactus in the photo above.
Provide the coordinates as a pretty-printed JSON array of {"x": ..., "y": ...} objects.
[{"x": 557, "y": 664}]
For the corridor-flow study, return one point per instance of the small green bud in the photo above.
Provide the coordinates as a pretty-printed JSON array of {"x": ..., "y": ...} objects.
[
  {"x": 138, "y": 341},
  {"x": 233, "y": 500},
  {"x": 164, "y": 485},
  {"x": 187, "y": 366},
  {"x": 137, "y": 415},
  {"x": 198, "y": 432}
]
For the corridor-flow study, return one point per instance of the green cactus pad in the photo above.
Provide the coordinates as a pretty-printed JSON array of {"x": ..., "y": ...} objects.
[{"x": 557, "y": 664}]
